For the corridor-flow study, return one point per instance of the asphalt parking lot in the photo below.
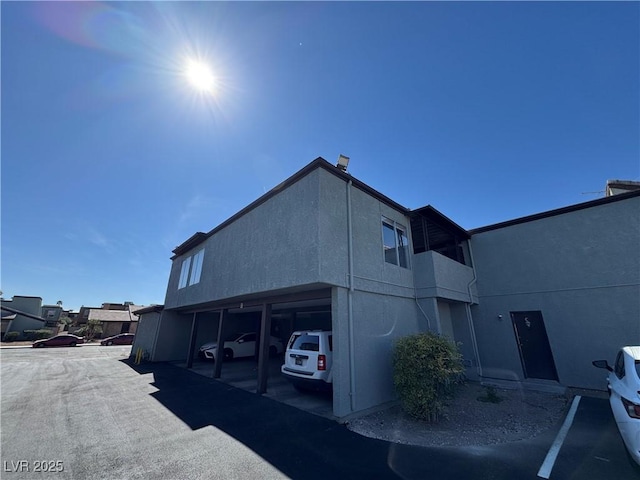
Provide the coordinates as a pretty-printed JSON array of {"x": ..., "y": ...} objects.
[{"x": 86, "y": 412}]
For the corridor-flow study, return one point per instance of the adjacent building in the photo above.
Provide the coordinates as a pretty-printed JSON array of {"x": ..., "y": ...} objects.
[
  {"x": 22, "y": 313},
  {"x": 114, "y": 318}
]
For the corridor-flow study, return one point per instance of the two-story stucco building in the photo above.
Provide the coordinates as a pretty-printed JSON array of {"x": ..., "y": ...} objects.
[{"x": 531, "y": 301}]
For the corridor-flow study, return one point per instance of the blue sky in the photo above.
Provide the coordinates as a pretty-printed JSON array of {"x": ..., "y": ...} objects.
[{"x": 487, "y": 111}]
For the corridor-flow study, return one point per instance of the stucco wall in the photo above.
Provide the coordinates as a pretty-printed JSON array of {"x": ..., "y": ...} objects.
[
  {"x": 370, "y": 269},
  {"x": 580, "y": 269},
  {"x": 274, "y": 246},
  {"x": 146, "y": 331},
  {"x": 439, "y": 276},
  {"x": 378, "y": 321},
  {"x": 172, "y": 341}
]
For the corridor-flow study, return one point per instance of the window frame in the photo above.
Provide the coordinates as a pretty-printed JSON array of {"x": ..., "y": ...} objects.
[
  {"x": 196, "y": 267},
  {"x": 401, "y": 243},
  {"x": 184, "y": 272},
  {"x": 191, "y": 270}
]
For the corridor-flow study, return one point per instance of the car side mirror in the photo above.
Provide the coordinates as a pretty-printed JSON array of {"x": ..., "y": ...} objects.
[
  {"x": 602, "y": 364},
  {"x": 241, "y": 341}
]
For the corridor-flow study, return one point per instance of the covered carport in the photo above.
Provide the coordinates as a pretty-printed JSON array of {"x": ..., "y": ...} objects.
[{"x": 275, "y": 315}]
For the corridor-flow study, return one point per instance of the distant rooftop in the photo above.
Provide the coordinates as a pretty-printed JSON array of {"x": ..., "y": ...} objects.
[{"x": 615, "y": 187}]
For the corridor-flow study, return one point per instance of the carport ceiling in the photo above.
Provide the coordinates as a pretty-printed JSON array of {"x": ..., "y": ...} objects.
[{"x": 305, "y": 305}]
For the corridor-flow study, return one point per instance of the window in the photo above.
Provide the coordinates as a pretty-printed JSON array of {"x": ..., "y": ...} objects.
[
  {"x": 196, "y": 269},
  {"x": 191, "y": 269},
  {"x": 395, "y": 243},
  {"x": 51, "y": 313},
  {"x": 184, "y": 273}
]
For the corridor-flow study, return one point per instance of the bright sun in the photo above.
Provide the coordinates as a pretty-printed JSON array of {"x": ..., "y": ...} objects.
[{"x": 200, "y": 76}]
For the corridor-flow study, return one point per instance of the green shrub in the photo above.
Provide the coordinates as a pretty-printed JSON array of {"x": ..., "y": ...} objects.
[
  {"x": 37, "y": 334},
  {"x": 11, "y": 336},
  {"x": 426, "y": 370}
]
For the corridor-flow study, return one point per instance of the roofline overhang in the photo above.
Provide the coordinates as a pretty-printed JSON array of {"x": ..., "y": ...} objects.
[
  {"x": 24, "y": 314},
  {"x": 431, "y": 211},
  {"x": 149, "y": 309}
]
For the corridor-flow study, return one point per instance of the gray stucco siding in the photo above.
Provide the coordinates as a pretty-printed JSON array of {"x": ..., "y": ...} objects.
[
  {"x": 146, "y": 333},
  {"x": 597, "y": 246},
  {"x": 368, "y": 252},
  {"x": 272, "y": 247},
  {"x": 172, "y": 340},
  {"x": 581, "y": 270},
  {"x": 439, "y": 276},
  {"x": 379, "y": 321}
]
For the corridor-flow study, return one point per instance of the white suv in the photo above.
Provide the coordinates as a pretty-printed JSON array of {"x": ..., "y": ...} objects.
[{"x": 308, "y": 360}]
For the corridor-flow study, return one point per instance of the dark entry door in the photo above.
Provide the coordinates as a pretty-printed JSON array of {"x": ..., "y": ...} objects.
[{"x": 535, "y": 351}]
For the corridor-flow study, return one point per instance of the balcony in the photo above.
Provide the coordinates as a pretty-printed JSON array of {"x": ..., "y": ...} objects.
[{"x": 437, "y": 276}]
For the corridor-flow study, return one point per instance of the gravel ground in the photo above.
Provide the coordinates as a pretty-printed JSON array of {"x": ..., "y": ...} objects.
[{"x": 468, "y": 421}]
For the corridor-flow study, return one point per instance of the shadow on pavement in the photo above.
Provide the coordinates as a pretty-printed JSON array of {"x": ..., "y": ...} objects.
[
  {"x": 299, "y": 444},
  {"x": 303, "y": 445}
]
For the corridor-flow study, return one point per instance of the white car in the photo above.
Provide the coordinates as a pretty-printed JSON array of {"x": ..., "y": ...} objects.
[
  {"x": 624, "y": 396},
  {"x": 242, "y": 345},
  {"x": 308, "y": 360}
]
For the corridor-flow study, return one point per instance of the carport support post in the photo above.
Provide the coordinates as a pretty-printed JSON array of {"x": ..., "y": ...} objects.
[
  {"x": 263, "y": 355},
  {"x": 192, "y": 342},
  {"x": 217, "y": 369}
]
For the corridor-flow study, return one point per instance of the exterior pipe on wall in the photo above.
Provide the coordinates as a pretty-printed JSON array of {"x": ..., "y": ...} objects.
[
  {"x": 352, "y": 386},
  {"x": 472, "y": 330},
  {"x": 423, "y": 312}
]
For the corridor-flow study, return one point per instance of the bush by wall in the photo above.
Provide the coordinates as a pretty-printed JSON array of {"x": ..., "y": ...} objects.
[
  {"x": 426, "y": 370},
  {"x": 11, "y": 336},
  {"x": 37, "y": 334}
]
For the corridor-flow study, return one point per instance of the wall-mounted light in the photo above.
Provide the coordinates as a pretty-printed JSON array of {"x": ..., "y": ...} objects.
[
  {"x": 343, "y": 163},
  {"x": 499, "y": 316}
]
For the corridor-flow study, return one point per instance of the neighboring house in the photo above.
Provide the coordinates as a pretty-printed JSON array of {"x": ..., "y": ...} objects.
[
  {"x": 6, "y": 319},
  {"x": 51, "y": 314},
  {"x": 23, "y": 313},
  {"x": 531, "y": 301},
  {"x": 115, "y": 318}
]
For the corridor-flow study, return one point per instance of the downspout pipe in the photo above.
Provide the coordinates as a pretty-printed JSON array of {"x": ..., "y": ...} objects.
[
  {"x": 423, "y": 312},
  {"x": 352, "y": 381},
  {"x": 472, "y": 330}
]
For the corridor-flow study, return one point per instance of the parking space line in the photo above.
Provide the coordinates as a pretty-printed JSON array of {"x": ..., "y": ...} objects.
[{"x": 552, "y": 454}]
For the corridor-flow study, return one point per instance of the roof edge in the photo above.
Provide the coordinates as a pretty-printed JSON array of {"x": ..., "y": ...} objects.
[
  {"x": 557, "y": 211},
  {"x": 199, "y": 237}
]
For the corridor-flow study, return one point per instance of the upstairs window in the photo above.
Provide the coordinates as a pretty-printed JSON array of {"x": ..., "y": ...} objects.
[
  {"x": 191, "y": 269},
  {"x": 184, "y": 273},
  {"x": 395, "y": 243},
  {"x": 196, "y": 268}
]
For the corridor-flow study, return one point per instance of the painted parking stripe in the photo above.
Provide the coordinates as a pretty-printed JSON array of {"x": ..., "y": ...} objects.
[{"x": 552, "y": 454}]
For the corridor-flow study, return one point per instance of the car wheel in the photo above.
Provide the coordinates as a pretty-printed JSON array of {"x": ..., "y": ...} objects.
[
  {"x": 109, "y": 343},
  {"x": 228, "y": 354},
  {"x": 73, "y": 344}
]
